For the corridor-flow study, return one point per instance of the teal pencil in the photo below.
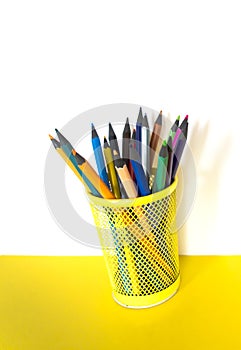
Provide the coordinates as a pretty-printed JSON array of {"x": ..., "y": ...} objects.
[{"x": 160, "y": 179}]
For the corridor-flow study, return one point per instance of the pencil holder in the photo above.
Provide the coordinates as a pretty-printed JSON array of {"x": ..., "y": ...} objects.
[{"x": 139, "y": 243}]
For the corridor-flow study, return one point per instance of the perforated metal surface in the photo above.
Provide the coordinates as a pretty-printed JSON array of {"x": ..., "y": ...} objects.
[{"x": 139, "y": 242}]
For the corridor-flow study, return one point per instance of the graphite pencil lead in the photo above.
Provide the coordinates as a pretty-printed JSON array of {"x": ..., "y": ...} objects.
[
  {"x": 63, "y": 140},
  {"x": 140, "y": 117},
  {"x": 54, "y": 142},
  {"x": 164, "y": 151},
  {"x": 127, "y": 129},
  {"x": 112, "y": 134},
  {"x": 169, "y": 142},
  {"x": 159, "y": 119},
  {"x": 145, "y": 123},
  {"x": 94, "y": 132},
  {"x": 79, "y": 159},
  {"x": 119, "y": 163},
  {"x": 186, "y": 118},
  {"x": 106, "y": 144}
]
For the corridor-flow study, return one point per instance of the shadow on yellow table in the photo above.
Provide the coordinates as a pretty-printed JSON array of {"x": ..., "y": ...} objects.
[{"x": 55, "y": 303}]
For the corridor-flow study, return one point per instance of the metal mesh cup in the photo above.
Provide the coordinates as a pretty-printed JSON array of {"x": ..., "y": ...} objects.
[{"x": 139, "y": 242}]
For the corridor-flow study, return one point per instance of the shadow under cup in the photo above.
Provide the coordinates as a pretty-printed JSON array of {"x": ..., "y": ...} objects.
[{"x": 139, "y": 241}]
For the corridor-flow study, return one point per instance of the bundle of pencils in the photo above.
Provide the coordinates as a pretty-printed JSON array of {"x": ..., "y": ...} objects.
[{"x": 148, "y": 164}]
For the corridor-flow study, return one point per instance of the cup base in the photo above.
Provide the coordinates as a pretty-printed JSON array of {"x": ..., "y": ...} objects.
[{"x": 146, "y": 301}]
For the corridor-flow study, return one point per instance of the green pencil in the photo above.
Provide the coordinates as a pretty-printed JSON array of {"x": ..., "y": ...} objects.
[{"x": 160, "y": 179}]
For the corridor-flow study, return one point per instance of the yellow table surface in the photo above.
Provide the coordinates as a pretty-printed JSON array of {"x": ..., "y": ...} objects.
[{"x": 60, "y": 303}]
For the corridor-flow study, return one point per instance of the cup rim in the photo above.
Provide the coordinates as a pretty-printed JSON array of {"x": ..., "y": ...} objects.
[{"x": 133, "y": 202}]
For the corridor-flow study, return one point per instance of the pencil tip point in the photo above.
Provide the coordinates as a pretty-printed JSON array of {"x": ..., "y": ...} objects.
[
  {"x": 186, "y": 118},
  {"x": 51, "y": 137}
]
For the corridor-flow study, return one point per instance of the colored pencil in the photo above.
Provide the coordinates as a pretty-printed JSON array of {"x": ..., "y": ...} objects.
[
  {"x": 179, "y": 148},
  {"x": 156, "y": 134},
  {"x": 111, "y": 170},
  {"x": 183, "y": 128},
  {"x": 174, "y": 127},
  {"x": 141, "y": 179},
  {"x": 99, "y": 156},
  {"x": 133, "y": 141},
  {"x": 125, "y": 178},
  {"x": 126, "y": 135},
  {"x": 170, "y": 161},
  {"x": 93, "y": 177},
  {"x": 155, "y": 146},
  {"x": 70, "y": 161},
  {"x": 113, "y": 140},
  {"x": 160, "y": 178},
  {"x": 146, "y": 146},
  {"x": 139, "y": 133}
]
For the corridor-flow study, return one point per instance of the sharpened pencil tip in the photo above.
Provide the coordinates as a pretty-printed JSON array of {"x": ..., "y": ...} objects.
[
  {"x": 140, "y": 117},
  {"x": 159, "y": 119},
  {"x": 186, "y": 118},
  {"x": 92, "y": 126},
  {"x": 178, "y": 118},
  {"x": 51, "y": 137}
]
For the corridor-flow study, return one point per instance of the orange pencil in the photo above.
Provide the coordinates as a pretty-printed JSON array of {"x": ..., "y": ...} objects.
[{"x": 92, "y": 176}]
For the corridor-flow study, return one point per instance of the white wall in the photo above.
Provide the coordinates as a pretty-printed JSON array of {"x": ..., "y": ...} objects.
[{"x": 59, "y": 59}]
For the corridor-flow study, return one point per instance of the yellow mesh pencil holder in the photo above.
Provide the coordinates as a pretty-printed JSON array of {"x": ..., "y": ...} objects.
[{"x": 139, "y": 242}]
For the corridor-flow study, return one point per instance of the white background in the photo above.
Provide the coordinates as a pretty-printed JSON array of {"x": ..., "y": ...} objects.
[{"x": 61, "y": 58}]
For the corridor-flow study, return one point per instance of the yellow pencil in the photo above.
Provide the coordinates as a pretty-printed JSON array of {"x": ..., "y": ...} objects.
[{"x": 111, "y": 170}]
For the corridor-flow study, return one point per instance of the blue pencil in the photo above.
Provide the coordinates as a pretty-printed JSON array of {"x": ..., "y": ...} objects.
[
  {"x": 99, "y": 156},
  {"x": 141, "y": 179}
]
